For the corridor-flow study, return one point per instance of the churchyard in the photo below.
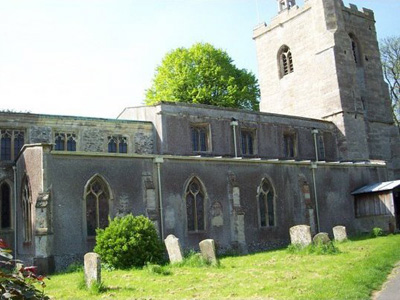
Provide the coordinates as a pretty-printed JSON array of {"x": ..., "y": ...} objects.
[{"x": 359, "y": 267}]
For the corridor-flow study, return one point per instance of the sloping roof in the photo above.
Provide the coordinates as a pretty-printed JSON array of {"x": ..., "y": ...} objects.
[{"x": 377, "y": 187}]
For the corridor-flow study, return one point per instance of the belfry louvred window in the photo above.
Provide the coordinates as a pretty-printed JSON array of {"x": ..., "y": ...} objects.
[{"x": 285, "y": 61}]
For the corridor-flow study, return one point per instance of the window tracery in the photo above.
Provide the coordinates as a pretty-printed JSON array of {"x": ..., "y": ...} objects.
[
  {"x": 117, "y": 144},
  {"x": 27, "y": 210},
  {"x": 195, "y": 206},
  {"x": 97, "y": 197},
  {"x": 266, "y": 204},
  {"x": 65, "y": 141},
  {"x": 11, "y": 143}
]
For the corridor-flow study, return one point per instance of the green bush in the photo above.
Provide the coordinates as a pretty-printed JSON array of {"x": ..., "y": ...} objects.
[
  {"x": 376, "y": 231},
  {"x": 129, "y": 242}
]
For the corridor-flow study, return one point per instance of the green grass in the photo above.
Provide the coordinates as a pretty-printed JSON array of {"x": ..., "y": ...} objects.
[{"x": 360, "y": 268}]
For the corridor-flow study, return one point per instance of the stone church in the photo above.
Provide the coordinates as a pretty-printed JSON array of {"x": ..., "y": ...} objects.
[{"x": 243, "y": 178}]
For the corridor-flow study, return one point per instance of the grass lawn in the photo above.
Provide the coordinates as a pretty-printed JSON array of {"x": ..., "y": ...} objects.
[{"x": 360, "y": 268}]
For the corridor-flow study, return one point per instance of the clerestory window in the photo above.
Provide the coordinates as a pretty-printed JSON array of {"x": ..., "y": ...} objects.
[
  {"x": 247, "y": 141},
  {"x": 117, "y": 144},
  {"x": 285, "y": 61},
  {"x": 290, "y": 145},
  {"x": 65, "y": 141},
  {"x": 200, "y": 138},
  {"x": 11, "y": 143}
]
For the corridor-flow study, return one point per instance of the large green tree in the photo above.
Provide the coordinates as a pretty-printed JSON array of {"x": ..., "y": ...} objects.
[
  {"x": 206, "y": 75},
  {"x": 390, "y": 53}
]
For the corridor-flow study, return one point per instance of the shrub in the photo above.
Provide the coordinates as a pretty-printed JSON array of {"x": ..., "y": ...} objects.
[
  {"x": 128, "y": 242},
  {"x": 376, "y": 231},
  {"x": 18, "y": 283}
]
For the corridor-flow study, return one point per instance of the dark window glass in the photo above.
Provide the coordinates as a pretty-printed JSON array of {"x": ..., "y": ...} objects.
[
  {"x": 5, "y": 206},
  {"x": 199, "y": 138},
  {"x": 190, "y": 208},
  {"x": 289, "y": 146},
  {"x": 6, "y": 147},
  {"x": 247, "y": 143},
  {"x": 71, "y": 143},
  {"x": 59, "y": 139},
  {"x": 97, "y": 207},
  {"x": 18, "y": 143},
  {"x": 266, "y": 204},
  {"x": 123, "y": 146},
  {"x": 263, "y": 216},
  {"x": 112, "y": 146},
  {"x": 321, "y": 148},
  {"x": 91, "y": 215}
]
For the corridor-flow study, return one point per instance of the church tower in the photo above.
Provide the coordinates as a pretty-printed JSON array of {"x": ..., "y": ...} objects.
[{"x": 322, "y": 61}]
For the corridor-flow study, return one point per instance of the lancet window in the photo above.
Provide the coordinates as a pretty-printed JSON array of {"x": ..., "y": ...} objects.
[
  {"x": 266, "y": 204},
  {"x": 195, "y": 206}
]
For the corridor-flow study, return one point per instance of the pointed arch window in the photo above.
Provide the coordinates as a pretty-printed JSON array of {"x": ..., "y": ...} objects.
[
  {"x": 195, "y": 204},
  {"x": 5, "y": 207},
  {"x": 117, "y": 144},
  {"x": 266, "y": 198},
  {"x": 27, "y": 210},
  {"x": 11, "y": 142},
  {"x": 97, "y": 197},
  {"x": 285, "y": 61}
]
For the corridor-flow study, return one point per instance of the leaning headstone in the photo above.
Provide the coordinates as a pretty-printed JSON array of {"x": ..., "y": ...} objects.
[
  {"x": 173, "y": 248},
  {"x": 300, "y": 235},
  {"x": 92, "y": 265},
  {"x": 207, "y": 248},
  {"x": 321, "y": 238},
  {"x": 339, "y": 233}
]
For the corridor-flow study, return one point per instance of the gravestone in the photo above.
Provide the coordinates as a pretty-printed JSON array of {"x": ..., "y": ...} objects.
[
  {"x": 339, "y": 233},
  {"x": 321, "y": 238},
  {"x": 300, "y": 235},
  {"x": 207, "y": 248},
  {"x": 92, "y": 266},
  {"x": 173, "y": 248}
]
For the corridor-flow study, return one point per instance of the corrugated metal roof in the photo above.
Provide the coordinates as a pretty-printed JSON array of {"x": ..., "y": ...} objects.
[{"x": 377, "y": 187}]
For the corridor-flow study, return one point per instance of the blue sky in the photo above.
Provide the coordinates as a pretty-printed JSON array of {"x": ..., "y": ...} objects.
[{"x": 95, "y": 57}]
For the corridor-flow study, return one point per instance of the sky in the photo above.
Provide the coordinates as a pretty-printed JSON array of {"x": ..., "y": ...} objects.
[{"x": 95, "y": 57}]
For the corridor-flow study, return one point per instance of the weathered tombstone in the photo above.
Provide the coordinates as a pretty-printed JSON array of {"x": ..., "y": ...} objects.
[
  {"x": 207, "y": 248},
  {"x": 173, "y": 248},
  {"x": 300, "y": 235},
  {"x": 321, "y": 238},
  {"x": 339, "y": 233},
  {"x": 92, "y": 265}
]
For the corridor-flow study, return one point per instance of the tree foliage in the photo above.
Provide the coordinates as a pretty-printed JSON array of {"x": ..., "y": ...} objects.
[
  {"x": 205, "y": 75},
  {"x": 390, "y": 53}
]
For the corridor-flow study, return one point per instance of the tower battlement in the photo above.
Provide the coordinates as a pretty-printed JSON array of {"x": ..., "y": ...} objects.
[{"x": 365, "y": 12}]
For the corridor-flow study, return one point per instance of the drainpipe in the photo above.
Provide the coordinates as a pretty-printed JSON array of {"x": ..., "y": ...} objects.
[
  {"x": 234, "y": 123},
  {"x": 15, "y": 211},
  {"x": 159, "y": 161},
  {"x": 314, "y": 166}
]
